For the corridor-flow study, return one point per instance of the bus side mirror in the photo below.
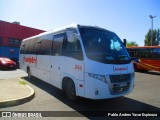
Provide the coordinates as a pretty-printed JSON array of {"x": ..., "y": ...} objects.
[
  {"x": 72, "y": 36},
  {"x": 125, "y": 42}
]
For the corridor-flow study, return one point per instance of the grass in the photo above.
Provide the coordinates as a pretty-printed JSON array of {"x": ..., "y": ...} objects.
[{"x": 22, "y": 82}]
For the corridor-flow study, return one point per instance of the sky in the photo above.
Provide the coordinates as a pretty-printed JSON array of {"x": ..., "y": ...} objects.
[{"x": 129, "y": 19}]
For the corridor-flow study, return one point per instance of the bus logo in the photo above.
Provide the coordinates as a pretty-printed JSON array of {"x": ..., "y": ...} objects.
[
  {"x": 30, "y": 60},
  {"x": 120, "y": 68},
  {"x": 78, "y": 67}
]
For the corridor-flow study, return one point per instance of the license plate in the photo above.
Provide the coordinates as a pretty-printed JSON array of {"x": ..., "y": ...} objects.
[
  {"x": 11, "y": 66},
  {"x": 122, "y": 84}
]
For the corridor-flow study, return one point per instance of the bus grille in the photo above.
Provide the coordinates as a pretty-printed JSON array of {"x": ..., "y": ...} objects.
[
  {"x": 120, "y": 78},
  {"x": 119, "y": 83}
]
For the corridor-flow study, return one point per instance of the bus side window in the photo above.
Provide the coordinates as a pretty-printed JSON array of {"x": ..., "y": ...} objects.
[
  {"x": 22, "y": 48},
  {"x": 158, "y": 53},
  {"x": 26, "y": 49},
  {"x": 146, "y": 53},
  {"x": 57, "y": 44},
  {"x": 136, "y": 53},
  {"x": 32, "y": 46},
  {"x": 42, "y": 45},
  {"x": 155, "y": 53},
  {"x": 38, "y": 46},
  {"x": 152, "y": 53},
  {"x": 140, "y": 53},
  {"x": 46, "y": 44},
  {"x": 143, "y": 52},
  {"x": 72, "y": 47},
  {"x": 131, "y": 52}
]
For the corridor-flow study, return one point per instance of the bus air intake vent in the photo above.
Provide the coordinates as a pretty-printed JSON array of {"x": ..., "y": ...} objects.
[{"x": 120, "y": 78}]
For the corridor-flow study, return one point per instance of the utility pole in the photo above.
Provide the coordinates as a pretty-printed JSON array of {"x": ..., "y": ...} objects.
[{"x": 151, "y": 27}]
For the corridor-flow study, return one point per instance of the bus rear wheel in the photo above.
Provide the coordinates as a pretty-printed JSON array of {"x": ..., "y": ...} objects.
[
  {"x": 135, "y": 67},
  {"x": 70, "y": 90},
  {"x": 29, "y": 73}
]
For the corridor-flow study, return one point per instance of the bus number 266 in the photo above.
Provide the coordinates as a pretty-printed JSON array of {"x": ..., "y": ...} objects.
[{"x": 78, "y": 67}]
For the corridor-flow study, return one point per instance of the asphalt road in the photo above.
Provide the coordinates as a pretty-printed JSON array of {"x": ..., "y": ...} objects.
[
  {"x": 12, "y": 74},
  {"x": 145, "y": 97}
]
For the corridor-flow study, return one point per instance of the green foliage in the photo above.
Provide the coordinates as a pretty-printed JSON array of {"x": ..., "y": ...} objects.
[
  {"x": 22, "y": 82},
  {"x": 155, "y": 38},
  {"x": 131, "y": 43},
  {"x": 158, "y": 36}
]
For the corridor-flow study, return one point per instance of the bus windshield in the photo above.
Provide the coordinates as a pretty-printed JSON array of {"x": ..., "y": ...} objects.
[{"x": 103, "y": 46}]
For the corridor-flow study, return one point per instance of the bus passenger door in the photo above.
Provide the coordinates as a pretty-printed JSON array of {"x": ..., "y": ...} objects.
[
  {"x": 72, "y": 62},
  {"x": 56, "y": 59},
  {"x": 55, "y": 71}
]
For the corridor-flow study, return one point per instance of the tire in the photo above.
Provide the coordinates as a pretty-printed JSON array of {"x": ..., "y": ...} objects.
[
  {"x": 135, "y": 67},
  {"x": 144, "y": 71},
  {"x": 29, "y": 74},
  {"x": 70, "y": 90}
]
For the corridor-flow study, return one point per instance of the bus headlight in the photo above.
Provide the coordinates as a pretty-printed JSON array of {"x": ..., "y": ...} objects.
[{"x": 99, "y": 77}]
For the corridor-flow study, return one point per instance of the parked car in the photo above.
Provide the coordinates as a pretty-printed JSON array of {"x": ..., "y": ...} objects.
[
  {"x": 16, "y": 61},
  {"x": 6, "y": 63}
]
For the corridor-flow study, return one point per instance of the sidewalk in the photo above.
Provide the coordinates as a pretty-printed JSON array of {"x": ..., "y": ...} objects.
[{"x": 14, "y": 91}]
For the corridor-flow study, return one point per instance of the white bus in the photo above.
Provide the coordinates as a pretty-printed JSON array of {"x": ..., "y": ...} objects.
[{"x": 84, "y": 61}]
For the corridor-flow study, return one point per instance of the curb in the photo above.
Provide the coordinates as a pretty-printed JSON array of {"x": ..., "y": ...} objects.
[{"x": 13, "y": 102}]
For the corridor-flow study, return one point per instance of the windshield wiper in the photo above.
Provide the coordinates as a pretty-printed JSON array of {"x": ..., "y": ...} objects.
[{"x": 124, "y": 56}]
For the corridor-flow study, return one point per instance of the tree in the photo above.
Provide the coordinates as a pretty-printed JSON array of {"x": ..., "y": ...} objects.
[
  {"x": 131, "y": 43},
  {"x": 147, "y": 41},
  {"x": 158, "y": 36}
]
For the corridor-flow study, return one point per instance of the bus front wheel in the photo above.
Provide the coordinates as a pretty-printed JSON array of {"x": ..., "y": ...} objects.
[{"x": 70, "y": 90}]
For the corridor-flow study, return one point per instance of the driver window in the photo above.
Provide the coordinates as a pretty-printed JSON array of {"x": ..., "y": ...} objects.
[{"x": 72, "y": 46}]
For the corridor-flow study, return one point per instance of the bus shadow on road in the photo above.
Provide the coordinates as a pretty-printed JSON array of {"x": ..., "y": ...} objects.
[{"x": 84, "y": 106}]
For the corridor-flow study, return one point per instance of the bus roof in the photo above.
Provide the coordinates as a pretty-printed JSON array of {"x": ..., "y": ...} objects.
[
  {"x": 63, "y": 28},
  {"x": 143, "y": 47}
]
